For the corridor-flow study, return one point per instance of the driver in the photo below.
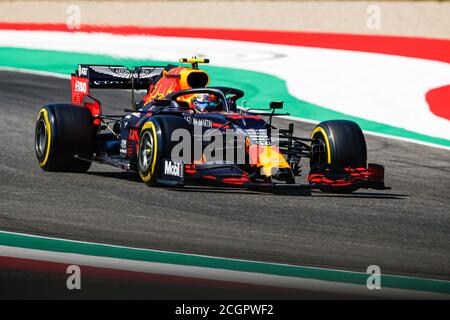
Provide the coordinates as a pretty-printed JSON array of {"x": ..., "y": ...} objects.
[{"x": 205, "y": 102}]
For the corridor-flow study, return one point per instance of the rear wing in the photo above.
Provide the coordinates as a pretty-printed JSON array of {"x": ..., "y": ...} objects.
[{"x": 111, "y": 77}]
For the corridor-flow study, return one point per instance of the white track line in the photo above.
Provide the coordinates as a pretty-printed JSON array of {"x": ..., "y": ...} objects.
[
  {"x": 213, "y": 274},
  {"x": 383, "y": 88}
]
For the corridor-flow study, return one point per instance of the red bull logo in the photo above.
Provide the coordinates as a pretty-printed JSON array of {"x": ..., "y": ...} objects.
[{"x": 179, "y": 78}]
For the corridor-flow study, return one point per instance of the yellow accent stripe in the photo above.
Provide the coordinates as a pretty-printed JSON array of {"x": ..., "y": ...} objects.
[
  {"x": 150, "y": 125},
  {"x": 327, "y": 143},
  {"x": 44, "y": 112},
  {"x": 193, "y": 60}
]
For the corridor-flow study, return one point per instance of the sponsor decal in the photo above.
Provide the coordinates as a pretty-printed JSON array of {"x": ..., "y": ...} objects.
[
  {"x": 82, "y": 71},
  {"x": 202, "y": 122},
  {"x": 109, "y": 82},
  {"x": 188, "y": 119},
  {"x": 173, "y": 168},
  {"x": 119, "y": 72},
  {"x": 80, "y": 86},
  {"x": 123, "y": 146},
  {"x": 80, "y": 89},
  {"x": 258, "y": 136}
]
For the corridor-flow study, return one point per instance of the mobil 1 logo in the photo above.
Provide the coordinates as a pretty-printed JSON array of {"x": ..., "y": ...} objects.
[{"x": 173, "y": 171}]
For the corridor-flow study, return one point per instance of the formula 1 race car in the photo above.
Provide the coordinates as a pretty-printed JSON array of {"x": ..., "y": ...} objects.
[{"x": 184, "y": 131}]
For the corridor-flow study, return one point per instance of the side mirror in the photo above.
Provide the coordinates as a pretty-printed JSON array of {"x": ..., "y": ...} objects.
[{"x": 276, "y": 105}]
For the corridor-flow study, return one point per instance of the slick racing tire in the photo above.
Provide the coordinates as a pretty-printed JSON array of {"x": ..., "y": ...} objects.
[
  {"x": 155, "y": 145},
  {"x": 344, "y": 147},
  {"x": 64, "y": 138}
]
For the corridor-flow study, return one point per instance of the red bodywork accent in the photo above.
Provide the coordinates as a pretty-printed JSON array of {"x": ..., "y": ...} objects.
[
  {"x": 220, "y": 125},
  {"x": 236, "y": 181},
  {"x": 190, "y": 169},
  {"x": 80, "y": 90},
  {"x": 133, "y": 135},
  {"x": 167, "y": 84},
  {"x": 244, "y": 117},
  {"x": 95, "y": 109},
  {"x": 348, "y": 176}
]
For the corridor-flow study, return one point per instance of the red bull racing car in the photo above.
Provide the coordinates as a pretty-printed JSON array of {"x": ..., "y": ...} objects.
[{"x": 185, "y": 131}]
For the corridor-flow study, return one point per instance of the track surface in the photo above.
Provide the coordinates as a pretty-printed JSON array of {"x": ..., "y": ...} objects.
[{"x": 404, "y": 231}]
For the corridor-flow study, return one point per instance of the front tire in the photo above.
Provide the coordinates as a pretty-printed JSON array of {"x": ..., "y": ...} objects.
[
  {"x": 149, "y": 152},
  {"x": 155, "y": 145},
  {"x": 339, "y": 144},
  {"x": 64, "y": 131},
  {"x": 344, "y": 142}
]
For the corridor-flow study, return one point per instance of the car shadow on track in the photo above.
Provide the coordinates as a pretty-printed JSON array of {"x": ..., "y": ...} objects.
[
  {"x": 196, "y": 187},
  {"x": 122, "y": 175},
  {"x": 211, "y": 188},
  {"x": 241, "y": 191},
  {"x": 296, "y": 193},
  {"x": 368, "y": 195}
]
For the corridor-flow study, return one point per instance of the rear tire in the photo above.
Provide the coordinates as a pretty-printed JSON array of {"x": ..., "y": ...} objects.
[{"x": 64, "y": 131}]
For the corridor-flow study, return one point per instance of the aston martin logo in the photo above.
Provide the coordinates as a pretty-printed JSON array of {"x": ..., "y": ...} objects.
[{"x": 124, "y": 72}]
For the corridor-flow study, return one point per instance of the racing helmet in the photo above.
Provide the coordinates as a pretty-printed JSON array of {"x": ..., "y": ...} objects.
[{"x": 204, "y": 102}]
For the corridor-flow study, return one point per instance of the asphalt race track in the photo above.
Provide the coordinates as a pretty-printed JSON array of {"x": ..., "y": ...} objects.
[{"x": 405, "y": 230}]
